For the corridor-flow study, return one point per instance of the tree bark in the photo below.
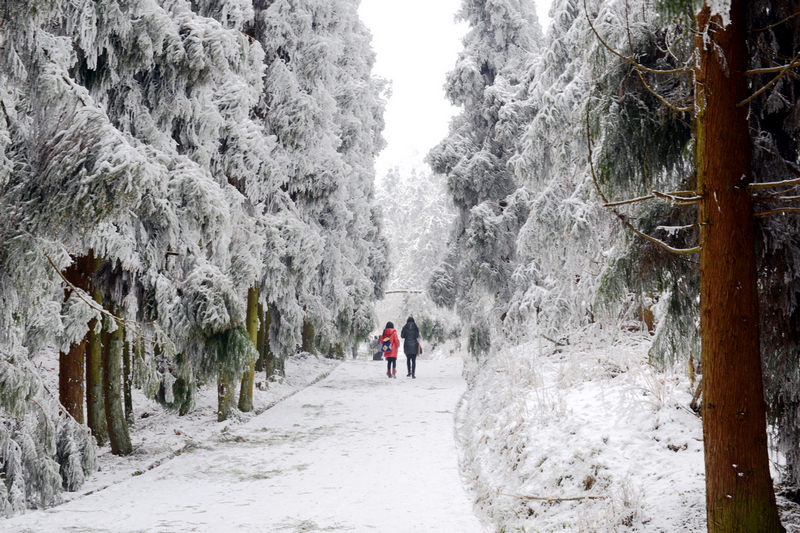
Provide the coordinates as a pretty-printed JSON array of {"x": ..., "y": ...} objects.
[
  {"x": 248, "y": 379},
  {"x": 263, "y": 334},
  {"x": 71, "y": 364},
  {"x": 270, "y": 361},
  {"x": 127, "y": 376},
  {"x": 739, "y": 491},
  {"x": 308, "y": 337},
  {"x": 70, "y": 379},
  {"x": 95, "y": 394},
  {"x": 225, "y": 395},
  {"x": 112, "y": 373}
]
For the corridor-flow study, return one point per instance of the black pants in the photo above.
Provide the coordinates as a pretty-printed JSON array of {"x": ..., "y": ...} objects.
[
  {"x": 391, "y": 362},
  {"x": 411, "y": 363}
]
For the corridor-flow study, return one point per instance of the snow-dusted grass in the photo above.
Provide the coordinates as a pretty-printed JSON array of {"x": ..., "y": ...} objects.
[{"x": 585, "y": 437}]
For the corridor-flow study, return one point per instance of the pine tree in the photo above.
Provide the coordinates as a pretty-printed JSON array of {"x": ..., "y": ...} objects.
[
  {"x": 178, "y": 146},
  {"x": 734, "y": 419},
  {"x": 487, "y": 84}
]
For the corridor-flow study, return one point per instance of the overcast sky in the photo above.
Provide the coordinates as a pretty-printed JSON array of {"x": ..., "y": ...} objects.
[{"x": 417, "y": 43}]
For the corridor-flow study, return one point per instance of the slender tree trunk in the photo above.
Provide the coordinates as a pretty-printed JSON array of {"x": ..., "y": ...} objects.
[
  {"x": 308, "y": 337},
  {"x": 263, "y": 332},
  {"x": 95, "y": 395},
  {"x": 739, "y": 491},
  {"x": 71, "y": 364},
  {"x": 248, "y": 380},
  {"x": 70, "y": 379},
  {"x": 127, "y": 376},
  {"x": 225, "y": 395},
  {"x": 112, "y": 374},
  {"x": 269, "y": 357}
]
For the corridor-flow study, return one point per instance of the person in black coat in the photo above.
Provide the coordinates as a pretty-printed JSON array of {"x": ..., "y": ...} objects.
[{"x": 411, "y": 346}]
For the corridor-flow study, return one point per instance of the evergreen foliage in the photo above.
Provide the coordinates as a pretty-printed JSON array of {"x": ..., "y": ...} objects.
[
  {"x": 487, "y": 84},
  {"x": 198, "y": 149}
]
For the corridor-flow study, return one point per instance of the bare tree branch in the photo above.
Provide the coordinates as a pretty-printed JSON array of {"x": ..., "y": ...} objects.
[
  {"x": 793, "y": 63},
  {"x": 661, "y": 98},
  {"x": 631, "y": 201},
  {"x": 791, "y": 210},
  {"x": 551, "y": 498},
  {"x": 769, "y": 185},
  {"x": 777, "y": 23}
]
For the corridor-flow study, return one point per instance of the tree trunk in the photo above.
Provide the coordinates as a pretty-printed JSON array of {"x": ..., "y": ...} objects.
[
  {"x": 739, "y": 491},
  {"x": 112, "y": 373},
  {"x": 263, "y": 334},
  {"x": 248, "y": 380},
  {"x": 269, "y": 357},
  {"x": 127, "y": 376},
  {"x": 70, "y": 379},
  {"x": 308, "y": 337},
  {"x": 225, "y": 396},
  {"x": 71, "y": 364},
  {"x": 95, "y": 396}
]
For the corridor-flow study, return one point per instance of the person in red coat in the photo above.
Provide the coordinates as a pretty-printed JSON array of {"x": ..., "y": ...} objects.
[{"x": 391, "y": 357}]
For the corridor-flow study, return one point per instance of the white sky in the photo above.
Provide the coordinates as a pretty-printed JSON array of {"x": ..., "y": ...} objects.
[{"x": 417, "y": 43}]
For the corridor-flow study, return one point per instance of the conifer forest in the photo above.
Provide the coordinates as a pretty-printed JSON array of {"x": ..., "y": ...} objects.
[{"x": 189, "y": 198}]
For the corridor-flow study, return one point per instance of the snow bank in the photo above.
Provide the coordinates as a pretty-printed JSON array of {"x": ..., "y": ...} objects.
[{"x": 582, "y": 437}]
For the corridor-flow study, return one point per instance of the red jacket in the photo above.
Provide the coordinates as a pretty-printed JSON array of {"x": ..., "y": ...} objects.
[{"x": 392, "y": 334}]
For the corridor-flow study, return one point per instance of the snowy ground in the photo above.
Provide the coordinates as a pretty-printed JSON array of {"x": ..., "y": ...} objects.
[
  {"x": 158, "y": 435},
  {"x": 584, "y": 437},
  {"x": 353, "y": 452}
]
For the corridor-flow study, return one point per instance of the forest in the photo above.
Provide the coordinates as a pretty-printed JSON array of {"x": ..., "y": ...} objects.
[{"x": 189, "y": 197}]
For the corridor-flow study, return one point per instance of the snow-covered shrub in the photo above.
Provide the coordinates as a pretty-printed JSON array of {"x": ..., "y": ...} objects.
[{"x": 581, "y": 435}]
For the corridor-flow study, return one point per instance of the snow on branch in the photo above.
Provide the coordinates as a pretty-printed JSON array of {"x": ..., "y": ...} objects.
[
  {"x": 678, "y": 251},
  {"x": 627, "y": 59}
]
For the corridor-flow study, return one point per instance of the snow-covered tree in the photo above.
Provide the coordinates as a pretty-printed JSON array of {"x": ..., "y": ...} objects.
[
  {"x": 169, "y": 155},
  {"x": 325, "y": 110},
  {"x": 418, "y": 217},
  {"x": 709, "y": 86},
  {"x": 487, "y": 83}
]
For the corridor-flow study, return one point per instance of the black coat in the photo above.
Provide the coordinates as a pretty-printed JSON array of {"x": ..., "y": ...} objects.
[{"x": 410, "y": 334}]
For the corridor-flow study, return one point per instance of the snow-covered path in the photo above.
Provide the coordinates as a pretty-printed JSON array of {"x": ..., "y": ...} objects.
[{"x": 355, "y": 452}]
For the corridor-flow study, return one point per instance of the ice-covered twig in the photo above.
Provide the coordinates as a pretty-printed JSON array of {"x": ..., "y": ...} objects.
[
  {"x": 793, "y": 63},
  {"x": 677, "y": 251},
  {"x": 551, "y": 498},
  {"x": 627, "y": 59}
]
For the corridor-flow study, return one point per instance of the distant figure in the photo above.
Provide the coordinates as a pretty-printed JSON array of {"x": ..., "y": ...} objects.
[
  {"x": 391, "y": 356},
  {"x": 355, "y": 351},
  {"x": 411, "y": 346},
  {"x": 377, "y": 355}
]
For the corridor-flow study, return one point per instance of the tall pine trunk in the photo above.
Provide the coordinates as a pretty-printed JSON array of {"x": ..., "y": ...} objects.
[
  {"x": 225, "y": 395},
  {"x": 269, "y": 357},
  {"x": 127, "y": 378},
  {"x": 112, "y": 376},
  {"x": 308, "y": 337},
  {"x": 70, "y": 379},
  {"x": 263, "y": 334},
  {"x": 95, "y": 395},
  {"x": 248, "y": 380},
  {"x": 71, "y": 364},
  {"x": 739, "y": 491}
]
